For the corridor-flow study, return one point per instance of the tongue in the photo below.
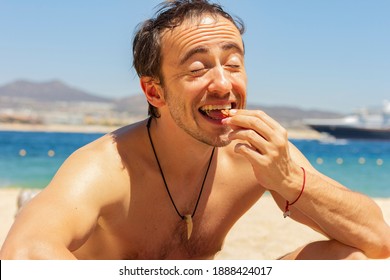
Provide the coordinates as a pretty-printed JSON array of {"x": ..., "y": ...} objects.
[{"x": 216, "y": 114}]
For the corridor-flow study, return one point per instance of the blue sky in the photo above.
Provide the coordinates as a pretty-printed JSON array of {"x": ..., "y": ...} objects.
[{"x": 329, "y": 54}]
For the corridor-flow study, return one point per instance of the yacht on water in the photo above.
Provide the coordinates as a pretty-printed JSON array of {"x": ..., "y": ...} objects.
[{"x": 361, "y": 125}]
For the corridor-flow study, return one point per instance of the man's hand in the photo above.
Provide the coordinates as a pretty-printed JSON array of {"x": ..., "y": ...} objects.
[{"x": 265, "y": 144}]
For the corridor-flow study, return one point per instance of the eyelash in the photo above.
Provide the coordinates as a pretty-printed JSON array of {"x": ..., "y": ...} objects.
[
  {"x": 200, "y": 71},
  {"x": 234, "y": 66},
  {"x": 197, "y": 70}
]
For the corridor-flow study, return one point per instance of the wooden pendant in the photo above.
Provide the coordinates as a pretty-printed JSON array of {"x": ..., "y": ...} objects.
[{"x": 188, "y": 219}]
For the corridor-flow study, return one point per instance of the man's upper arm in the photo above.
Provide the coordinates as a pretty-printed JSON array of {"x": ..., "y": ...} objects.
[{"x": 61, "y": 217}]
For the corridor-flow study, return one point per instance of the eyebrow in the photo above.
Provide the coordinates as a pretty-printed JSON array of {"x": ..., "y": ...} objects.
[
  {"x": 193, "y": 52},
  {"x": 205, "y": 50}
]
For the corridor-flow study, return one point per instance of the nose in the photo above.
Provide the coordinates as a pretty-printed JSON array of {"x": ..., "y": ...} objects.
[{"x": 220, "y": 81}]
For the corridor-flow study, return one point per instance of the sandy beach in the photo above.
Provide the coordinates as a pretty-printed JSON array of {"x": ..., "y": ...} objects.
[{"x": 262, "y": 233}]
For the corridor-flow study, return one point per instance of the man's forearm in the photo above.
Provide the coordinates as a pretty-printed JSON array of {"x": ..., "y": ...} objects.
[{"x": 347, "y": 216}]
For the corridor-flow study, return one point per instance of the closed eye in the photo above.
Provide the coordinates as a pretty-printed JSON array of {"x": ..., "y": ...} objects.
[
  {"x": 198, "y": 72},
  {"x": 233, "y": 66}
]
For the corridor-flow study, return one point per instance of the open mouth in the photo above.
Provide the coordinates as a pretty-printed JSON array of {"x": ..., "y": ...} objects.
[{"x": 216, "y": 112}]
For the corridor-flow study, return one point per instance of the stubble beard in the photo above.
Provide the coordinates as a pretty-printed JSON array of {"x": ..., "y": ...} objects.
[
  {"x": 217, "y": 140},
  {"x": 179, "y": 113}
]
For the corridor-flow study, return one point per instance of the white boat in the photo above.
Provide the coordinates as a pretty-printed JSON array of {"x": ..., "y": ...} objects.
[{"x": 361, "y": 125}]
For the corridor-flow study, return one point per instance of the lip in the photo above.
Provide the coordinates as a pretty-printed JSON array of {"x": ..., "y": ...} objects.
[{"x": 221, "y": 106}]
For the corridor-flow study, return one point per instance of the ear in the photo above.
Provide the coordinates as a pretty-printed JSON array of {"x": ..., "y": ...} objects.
[{"x": 153, "y": 91}]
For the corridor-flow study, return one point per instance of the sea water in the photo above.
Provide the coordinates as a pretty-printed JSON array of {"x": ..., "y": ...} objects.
[{"x": 31, "y": 159}]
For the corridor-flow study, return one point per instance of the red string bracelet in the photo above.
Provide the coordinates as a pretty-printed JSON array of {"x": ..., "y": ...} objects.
[{"x": 288, "y": 204}]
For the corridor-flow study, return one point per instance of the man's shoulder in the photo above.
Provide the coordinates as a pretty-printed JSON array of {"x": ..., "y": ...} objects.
[
  {"x": 98, "y": 168},
  {"x": 108, "y": 150},
  {"x": 94, "y": 155}
]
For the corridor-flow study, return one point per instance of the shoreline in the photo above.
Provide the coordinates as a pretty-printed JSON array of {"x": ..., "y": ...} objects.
[
  {"x": 261, "y": 234},
  {"x": 64, "y": 128},
  {"x": 304, "y": 134}
]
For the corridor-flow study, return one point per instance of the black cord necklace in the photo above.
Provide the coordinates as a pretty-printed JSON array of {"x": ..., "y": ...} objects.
[{"x": 187, "y": 218}]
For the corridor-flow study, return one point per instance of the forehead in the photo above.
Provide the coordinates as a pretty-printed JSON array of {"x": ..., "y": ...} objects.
[{"x": 209, "y": 31}]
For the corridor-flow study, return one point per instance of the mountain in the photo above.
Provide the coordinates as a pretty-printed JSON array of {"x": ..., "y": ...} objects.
[
  {"x": 288, "y": 115},
  {"x": 47, "y": 91},
  {"x": 135, "y": 105}
]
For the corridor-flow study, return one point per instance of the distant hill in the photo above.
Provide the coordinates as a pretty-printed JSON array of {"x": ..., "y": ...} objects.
[
  {"x": 47, "y": 91},
  {"x": 288, "y": 115},
  {"x": 135, "y": 105}
]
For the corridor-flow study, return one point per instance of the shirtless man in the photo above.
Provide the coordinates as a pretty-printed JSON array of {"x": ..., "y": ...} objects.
[{"x": 173, "y": 189}]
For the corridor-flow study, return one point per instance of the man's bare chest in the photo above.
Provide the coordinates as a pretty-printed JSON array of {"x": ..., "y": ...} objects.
[
  {"x": 147, "y": 223},
  {"x": 151, "y": 228},
  {"x": 162, "y": 234}
]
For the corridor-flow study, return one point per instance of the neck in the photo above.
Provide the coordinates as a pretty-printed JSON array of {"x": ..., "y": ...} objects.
[{"x": 178, "y": 152}]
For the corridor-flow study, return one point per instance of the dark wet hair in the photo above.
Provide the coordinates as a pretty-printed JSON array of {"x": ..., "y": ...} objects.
[{"x": 170, "y": 14}]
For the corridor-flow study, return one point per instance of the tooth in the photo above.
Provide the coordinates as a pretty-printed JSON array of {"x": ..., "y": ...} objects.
[{"x": 207, "y": 108}]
